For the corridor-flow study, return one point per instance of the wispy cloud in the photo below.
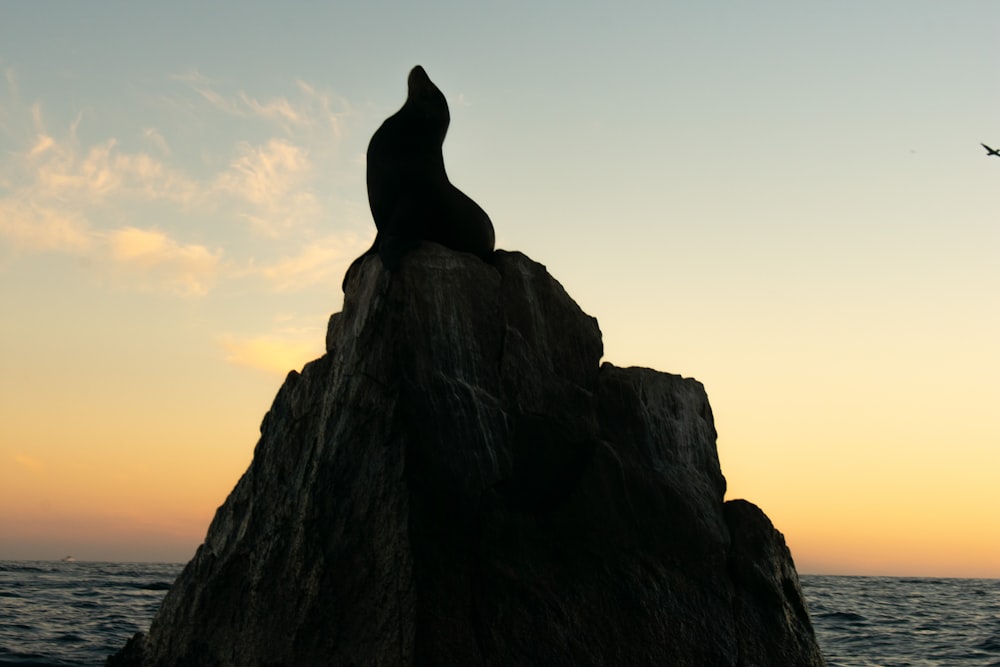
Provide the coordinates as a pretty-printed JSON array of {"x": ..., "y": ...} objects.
[
  {"x": 56, "y": 190},
  {"x": 32, "y": 464},
  {"x": 159, "y": 262},
  {"x": 11, "y": 79},
  {"x": 323, "y": 261},
  {"x": 9, "y": 99},
  {"x": 320, "y": 106},
  {"x": 273, "y": 354},
  {"x": 29, "y": 225},
  {"x": 277, "y": 108},
  {"x": 127, "y": 202},
  {"x": 59, "y": 170},
  {"x": 274, "y": 180},
  {"x": 155, "y": 139},
  {"x": 265, "y": 174},
  {"x": 44, "y": 143},
  {"x": 313, "y": 108},
  {"x": 144, "y": 259}
]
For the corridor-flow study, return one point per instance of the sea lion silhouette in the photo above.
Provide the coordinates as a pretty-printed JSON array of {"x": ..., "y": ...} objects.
[{"x": 409, "y": 193}]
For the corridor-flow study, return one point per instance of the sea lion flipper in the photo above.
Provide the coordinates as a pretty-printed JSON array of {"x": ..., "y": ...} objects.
[
  {"x": 367, "y": 253},
  {"x": 392, "y": 248}
]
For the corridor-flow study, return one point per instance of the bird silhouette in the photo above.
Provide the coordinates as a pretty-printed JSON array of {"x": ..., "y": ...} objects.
[{"x": 990, "y": 151}]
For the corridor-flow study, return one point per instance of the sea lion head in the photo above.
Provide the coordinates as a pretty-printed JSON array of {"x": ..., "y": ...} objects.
[{"x": 426, "y": 101}]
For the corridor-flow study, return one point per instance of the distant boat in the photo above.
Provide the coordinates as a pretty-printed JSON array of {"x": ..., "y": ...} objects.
[{"x": 68, "y": 559}]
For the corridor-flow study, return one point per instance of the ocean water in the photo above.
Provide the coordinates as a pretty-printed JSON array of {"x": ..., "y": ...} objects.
[
  {"x": 54, "y": 613},
  {"x": 905, "y": 622}
]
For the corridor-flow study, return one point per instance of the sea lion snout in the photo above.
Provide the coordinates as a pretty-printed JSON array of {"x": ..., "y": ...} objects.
[{"x": 417, "y": 77}]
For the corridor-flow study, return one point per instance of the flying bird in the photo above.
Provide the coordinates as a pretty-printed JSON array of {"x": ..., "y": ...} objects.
[{"x": 990, "y": 151}]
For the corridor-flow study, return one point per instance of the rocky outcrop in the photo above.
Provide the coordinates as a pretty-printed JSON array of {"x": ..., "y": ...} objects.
[{"x": 458, "y": 481}]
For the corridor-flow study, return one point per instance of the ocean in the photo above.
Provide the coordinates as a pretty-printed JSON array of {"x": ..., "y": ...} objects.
[{"x": 56, "y": 613}]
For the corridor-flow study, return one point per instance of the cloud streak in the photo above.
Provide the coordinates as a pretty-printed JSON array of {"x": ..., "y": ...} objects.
[
  {"x": 321, "y": 262},
  {"x": 272, "y": 354},
  {"x": 153, "y": 137},
  {"x": 126, "y": 203},
  {"x": 273, "y": 180},
  {"x": 183, "y": 269},
  {"x": 313, "y": 109},
  {"x": 29, "y": 463},
  {"x": 29, "y": 225}
]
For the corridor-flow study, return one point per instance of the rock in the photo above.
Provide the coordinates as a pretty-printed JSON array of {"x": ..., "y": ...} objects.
[
  {"x": 133, "y": 652},
  {"x": 459, "y": 481},
  {"x": 772, "y": 621}
]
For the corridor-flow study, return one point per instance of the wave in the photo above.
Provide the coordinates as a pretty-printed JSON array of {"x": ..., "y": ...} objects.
[
  {"x": 990, "y": 644},
  {"x": 155, "y": 586},
  {"x": 846, "y": 616}
]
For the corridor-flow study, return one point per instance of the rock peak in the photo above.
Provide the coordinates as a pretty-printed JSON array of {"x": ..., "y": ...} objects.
[{"x": 459, "y": 481}]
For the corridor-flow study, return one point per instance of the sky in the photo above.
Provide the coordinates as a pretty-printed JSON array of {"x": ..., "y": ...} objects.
[{"x": 787, "y": 201}]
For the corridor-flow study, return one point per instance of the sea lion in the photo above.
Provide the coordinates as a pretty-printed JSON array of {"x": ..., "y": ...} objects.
[{"x": 409, "y": 193}]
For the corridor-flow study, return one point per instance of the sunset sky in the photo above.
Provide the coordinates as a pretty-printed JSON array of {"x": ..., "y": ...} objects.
[{"x": 787, "y": 201}]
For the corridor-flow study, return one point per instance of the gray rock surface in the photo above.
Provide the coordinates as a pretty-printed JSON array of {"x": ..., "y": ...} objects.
[{"x": 459, "y": 481}]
